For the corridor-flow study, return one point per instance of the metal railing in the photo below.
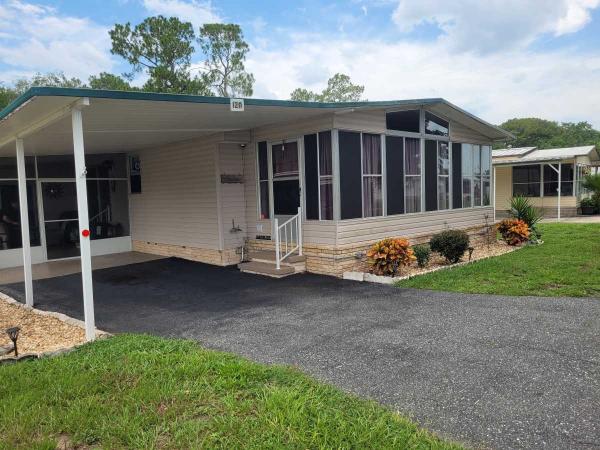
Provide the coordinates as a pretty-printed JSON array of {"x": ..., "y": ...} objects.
[
  {"x": 288, "y": 237},
  {"x": 102, "y": 217}
]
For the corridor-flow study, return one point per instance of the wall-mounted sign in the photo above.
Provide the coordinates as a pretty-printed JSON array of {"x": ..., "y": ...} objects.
[
  {"x": 236, "y": 104},
  {"x": 232, "y": 178},
  {"x": 135, "y": 175}
]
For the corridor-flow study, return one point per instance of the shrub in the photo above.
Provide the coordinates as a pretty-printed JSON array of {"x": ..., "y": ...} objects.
[
  {"x": 451, "y": 244},
  {"x": 522, "y": 209},
  {"x": 387, "y": 256},
  {"x": 514, "y": 231},
  {"x": 422, "y": 253}
]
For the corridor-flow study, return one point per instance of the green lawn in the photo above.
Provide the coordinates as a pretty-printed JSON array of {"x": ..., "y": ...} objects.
[
  {"x": 567, "y": 264},
  {"x": 145, "y": 392}
]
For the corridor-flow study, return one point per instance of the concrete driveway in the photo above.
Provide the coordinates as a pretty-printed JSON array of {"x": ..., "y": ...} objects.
[{"x": 488, "y": 371}]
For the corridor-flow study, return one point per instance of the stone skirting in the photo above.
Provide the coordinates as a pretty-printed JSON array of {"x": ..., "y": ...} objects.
[
  {"x": 210, "y": 256},
  {"x": 331, "y": 260}
]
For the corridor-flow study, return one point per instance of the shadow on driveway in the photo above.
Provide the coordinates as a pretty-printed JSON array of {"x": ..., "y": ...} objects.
[{"x": 490, "y": 371}]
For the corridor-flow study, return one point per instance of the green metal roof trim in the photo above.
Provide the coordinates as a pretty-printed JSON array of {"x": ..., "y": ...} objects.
[{"x": 184, "y": 98}]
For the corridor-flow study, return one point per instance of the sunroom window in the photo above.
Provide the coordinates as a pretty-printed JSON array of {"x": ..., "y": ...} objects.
[
  {"x": 435, "y": 125},
  {"x": 372, "y": 175},
  {"x": 443, "y": 174},
  {"x": 407, "y": 121},
  {"x": 412, "y": 176},
  {"x": 526, "y": 180}
]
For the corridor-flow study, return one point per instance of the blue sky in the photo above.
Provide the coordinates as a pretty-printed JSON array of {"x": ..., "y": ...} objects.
[{"x": 498, "y": 59}]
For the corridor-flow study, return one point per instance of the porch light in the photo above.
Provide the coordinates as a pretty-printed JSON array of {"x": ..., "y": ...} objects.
[{"x": 13, "y": 334}]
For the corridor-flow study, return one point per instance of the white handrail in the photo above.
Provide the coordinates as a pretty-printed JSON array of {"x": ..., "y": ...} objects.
[{"x": 292, "y": 242}]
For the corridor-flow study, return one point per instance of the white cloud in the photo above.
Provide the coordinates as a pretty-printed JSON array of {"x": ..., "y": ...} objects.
[
  {"x": 496, "y": 86},
  {"x": 37, "y": 38},
  {"x": 194, "y": 11},
  {"x": 493, "y": 25}
]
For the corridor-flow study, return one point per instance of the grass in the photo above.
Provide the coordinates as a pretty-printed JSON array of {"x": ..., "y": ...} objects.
[
  {"x": 567, "y": 264},
  {"x": 136, "y": 391}
]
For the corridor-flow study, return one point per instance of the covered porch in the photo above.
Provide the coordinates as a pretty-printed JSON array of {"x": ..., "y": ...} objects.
[{"x": 68, "y": 128}]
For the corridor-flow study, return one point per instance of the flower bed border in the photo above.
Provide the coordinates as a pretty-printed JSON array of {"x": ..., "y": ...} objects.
[{"x": 372, "y": 278}]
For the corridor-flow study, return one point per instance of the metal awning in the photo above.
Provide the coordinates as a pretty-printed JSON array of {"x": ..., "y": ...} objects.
[{"x": 118, "y": 121}]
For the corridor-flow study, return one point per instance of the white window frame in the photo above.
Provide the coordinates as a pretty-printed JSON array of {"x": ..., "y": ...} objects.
[
  {"x": 448, "y": 176},
  {"x": 320, "y": 177},
  {"x": 420, "y": 175}
]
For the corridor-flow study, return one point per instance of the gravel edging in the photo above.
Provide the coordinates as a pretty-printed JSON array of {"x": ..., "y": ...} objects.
[{"x": 100, "y": 334}]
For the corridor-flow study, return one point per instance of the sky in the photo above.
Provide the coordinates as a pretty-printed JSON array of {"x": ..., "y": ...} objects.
[{"x": 498, "y": 59}]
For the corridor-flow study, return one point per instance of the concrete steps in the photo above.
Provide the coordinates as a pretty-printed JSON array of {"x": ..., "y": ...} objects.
[{"x": 262, "y": 262}]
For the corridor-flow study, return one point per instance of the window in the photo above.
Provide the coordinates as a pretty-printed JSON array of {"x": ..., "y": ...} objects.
[
  {"x": 108, "y": 207},
  {"x": 408, "y": 121},
  {"x": 443, "y": 174},
  {"x": 551, "y": 180},
  {"x": 263, "y": 179},
  {"x": 372, "y": 175},
  {"x": 10, "y": 217},
  {"x": 435, "y": 125},
  {"x": 486, "y": 170},
  {"x": 8, "y": 167},
  {"x": 412, "y": 176},
  {"x": 286, "y": 185},
  {"x": 325, "y": 176},
  {"x": 526, "y": 180},
  {"x": 476, "y": 175},
  {"x": 467, "y": 175}
]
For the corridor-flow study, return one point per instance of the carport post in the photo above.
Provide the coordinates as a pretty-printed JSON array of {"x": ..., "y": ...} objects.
[
  {"x": 24, "y": 212},
  {"x": 84, "y": 233}
]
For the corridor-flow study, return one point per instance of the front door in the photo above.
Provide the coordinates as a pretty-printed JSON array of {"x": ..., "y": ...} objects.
[
  {"x": 286, "y": 178},
  {"x": 59, "y": 199}
]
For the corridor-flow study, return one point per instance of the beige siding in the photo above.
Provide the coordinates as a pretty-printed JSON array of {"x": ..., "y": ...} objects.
[
  {"x": 178, "y": 203},
  {"x": 357, "y": 231},
  {"x": 503, "y": 187},
  {"x": 371, "y": 121},
  {"x": 320, "y": 232},
  {"x": 460, "y": 133},
  {"x": 232, "y": 195},
  {"x": 293, "y": 130}
]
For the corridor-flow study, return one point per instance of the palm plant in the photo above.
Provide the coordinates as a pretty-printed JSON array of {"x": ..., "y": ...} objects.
[{"x": 522, "y": 209}]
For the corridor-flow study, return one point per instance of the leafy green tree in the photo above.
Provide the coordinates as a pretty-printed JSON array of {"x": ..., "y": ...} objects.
[
  {"x": 7, "y": 95},
  {"x": 105, "y": 80},
  {"x": 161, "y": 47},
  {"x": 225, "y": 50},
  {"x": 534, "y": 132},
  {"x": 52, "y": 79},
  {"x": 339, "y": 89}
]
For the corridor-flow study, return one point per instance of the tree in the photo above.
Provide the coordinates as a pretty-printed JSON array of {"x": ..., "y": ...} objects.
[
  {"x": 225, "y": 50},
  {"x": 339, "y": 89},
  {"x": 105, "y": 80},
  {"x": 7, "y": 95},
  {"x": 52, "y": 79},
  {"x": 533, "y": 132},
  {"x": 162, "y": 47}
]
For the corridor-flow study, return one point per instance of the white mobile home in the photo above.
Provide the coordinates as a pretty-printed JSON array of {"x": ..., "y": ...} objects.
[{"x": 210, "y": 178}]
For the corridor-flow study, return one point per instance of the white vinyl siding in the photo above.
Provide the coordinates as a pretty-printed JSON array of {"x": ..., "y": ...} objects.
[{"x": 178, "y": 203}]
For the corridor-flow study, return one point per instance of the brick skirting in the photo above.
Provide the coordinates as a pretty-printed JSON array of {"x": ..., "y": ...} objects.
[
  {"x": 210, "y": 256},
  {"x": 331, "y": 260}
]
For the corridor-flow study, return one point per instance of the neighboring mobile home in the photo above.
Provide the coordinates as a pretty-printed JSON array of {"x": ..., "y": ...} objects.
[
  {"x": 534, "y": 173},
  {"x": 208, "y": 178}
]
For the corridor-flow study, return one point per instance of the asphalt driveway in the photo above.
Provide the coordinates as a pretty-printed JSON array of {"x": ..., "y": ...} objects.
[{"x": 489, "y": 371}]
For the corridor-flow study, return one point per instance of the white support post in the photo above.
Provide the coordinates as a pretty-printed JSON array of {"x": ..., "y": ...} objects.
[
  {"x": 494, "y": 192},
  {"x": 84, "y": 234},
  {"x": 277, "y": 243},
  {"x": 299, "y": 231},
  {"x": 559, "y": 188},
  {"x": 24, "y": 212}
]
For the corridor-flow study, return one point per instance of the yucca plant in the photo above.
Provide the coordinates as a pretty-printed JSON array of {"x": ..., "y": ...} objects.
[{"x": 522, "y": 209}]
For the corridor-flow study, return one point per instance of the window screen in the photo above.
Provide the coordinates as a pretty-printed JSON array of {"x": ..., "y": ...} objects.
[
  {"x": 263, "y": 179},
  {"x": 431, "y": 199},
  {"x": 526, "y": 180},
  {"x": 403, "y": 120},
  {"x": 551, "y": 180},
  {"x": 311, "y": 176},
  {"x": 394, "y": 154},
  {"x": 350, "y": 175}
]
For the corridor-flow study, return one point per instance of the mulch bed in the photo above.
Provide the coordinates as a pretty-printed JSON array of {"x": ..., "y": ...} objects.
[{"x": 40, "y": 333}]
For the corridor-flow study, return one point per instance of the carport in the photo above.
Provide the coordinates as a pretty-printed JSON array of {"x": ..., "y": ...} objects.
[{"x": 80, "y": 122}]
